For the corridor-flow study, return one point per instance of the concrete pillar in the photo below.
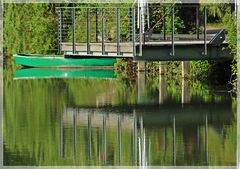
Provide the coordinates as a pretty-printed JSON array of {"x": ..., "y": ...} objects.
[
  {"x": 141, "y": 86},
  {"x": 162, "y": 88},
  {"x": 141, "y": 66},
  {"x": 162, "y": 68},
  {"x": 185, "y": 91},
  {"x": 185, "y": 69}
]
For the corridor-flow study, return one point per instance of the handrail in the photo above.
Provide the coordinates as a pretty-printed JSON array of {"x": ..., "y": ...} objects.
[
  {"x": 219, "y": 38},
  {"x": 114, "y": 7}
]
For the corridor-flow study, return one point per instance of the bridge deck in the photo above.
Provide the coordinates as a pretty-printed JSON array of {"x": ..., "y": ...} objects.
[
  {"x": 126, "y": 49},
  {"x": 186, "y": 47}
]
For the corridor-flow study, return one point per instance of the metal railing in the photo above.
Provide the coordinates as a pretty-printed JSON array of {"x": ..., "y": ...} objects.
[
  {"x": 113, "y": 31},
  {"x": 173, "y": 36},
  {"x": 98, "y": 31}
]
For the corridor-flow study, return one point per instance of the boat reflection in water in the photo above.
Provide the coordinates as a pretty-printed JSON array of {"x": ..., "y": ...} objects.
[{"x": 35, "y": 73}]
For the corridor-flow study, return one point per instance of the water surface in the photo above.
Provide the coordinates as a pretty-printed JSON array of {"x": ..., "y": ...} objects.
[{"x": 117, "y": 121}]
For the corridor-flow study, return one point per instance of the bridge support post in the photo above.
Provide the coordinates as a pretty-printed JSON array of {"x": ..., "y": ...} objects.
[
  {"x": 162, "y": 88},
  {"x": 141, "y": 66},
  {"x": 185, "y": 69},
  {"x": 162, "y": 67},
  {"x": 185, "y": 91},
  {"x": 141, "y": 87}
]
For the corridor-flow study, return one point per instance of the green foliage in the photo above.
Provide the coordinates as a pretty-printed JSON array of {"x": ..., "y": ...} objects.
[
  {"x": 199, "y": 69},
  {"x": 230, "y": 23},
  {"x": 217, "y": 11},
  {"x": 174, "y": 69},
  {"x": 157, "y": 15},
  {"x": 110, "y": 23},
  {"x": 178, "y": 23},
  {"x": 29, "y": 28}
]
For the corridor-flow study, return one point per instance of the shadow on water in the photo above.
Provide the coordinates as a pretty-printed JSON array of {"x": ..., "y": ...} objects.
[{"x": 104, "y": 121}]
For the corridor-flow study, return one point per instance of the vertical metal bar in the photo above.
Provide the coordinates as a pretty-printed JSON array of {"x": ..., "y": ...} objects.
[
  {"x": 164, "y": 23},
  {"x": 174, "y": 141},
  {"x": 89, "y": 136},
  {"x": 119, "y": 140},
  {"x": 141, "y": 141},
  {"x": 198, "y": 139},
  {"x": 149, "y": 151},
  {"x": 118, "y": 31},
  {"x": 133, "y": 31},
  {"x": 96, "y": 13},
  {"x": 134, "y": 139},
  {"x": 73, "y": 31},
  {"x": 148, "y": 18},
  {"x": 98, "y": 144},
  {"x": 75, "y": 133},
  {"x": 173, "y": 50},
  {"x": 104, "y": 140},
  {"x": 236, "y": 7},
  {"x": 103, "y": 27},
  {"x": 206, "y": 139},
  {"x": 61, "y": 136},
  {"x": 165, "y": 140},
  {"x": 88, "y": 31},
  {"x": 59, "y": 30},
  {"x": 197, "y": 21},
  {"x": 140, "y": 31},
  {"x": 205, "y": 31}
]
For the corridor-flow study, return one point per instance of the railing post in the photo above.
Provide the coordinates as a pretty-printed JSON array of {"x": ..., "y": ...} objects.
[
  {"x": 205, "y": 31},
  {"x": 140, "y": 31},
  {"x": 118, "y": 31},
  {"x": 173, "y": 50},
  {"x": 96, "y": 13},
  {"x": 73, "y": 31},
  {"x": 88, "y": 31},
  {"x": 164, "y": 23},
  {"x": 103, "y": 47},
  {"x": 59, "y": 30},
  {"x": 133, "y": 31},
  {"x": 197, "y": 21}
]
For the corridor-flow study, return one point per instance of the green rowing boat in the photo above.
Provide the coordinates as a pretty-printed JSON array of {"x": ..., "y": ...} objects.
[
  {"x": 38, "y": 60},
  {"x": 39, "y": 73}
]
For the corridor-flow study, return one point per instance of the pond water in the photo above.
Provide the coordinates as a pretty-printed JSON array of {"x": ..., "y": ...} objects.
[{"x": 108, "y": 120}]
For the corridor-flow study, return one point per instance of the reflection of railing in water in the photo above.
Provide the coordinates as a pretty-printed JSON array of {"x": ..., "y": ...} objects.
[{"x": 141, "y": 147}]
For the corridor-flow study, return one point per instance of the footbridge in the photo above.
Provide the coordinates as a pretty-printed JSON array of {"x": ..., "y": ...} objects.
[{"x": 125, "y": 32}]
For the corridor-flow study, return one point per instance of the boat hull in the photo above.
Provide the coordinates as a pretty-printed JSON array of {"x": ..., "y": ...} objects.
[{"x": 60, "y": 61}]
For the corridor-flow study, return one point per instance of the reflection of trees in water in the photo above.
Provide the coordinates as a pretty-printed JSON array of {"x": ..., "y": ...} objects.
[{"x": 33, "y": 124}]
